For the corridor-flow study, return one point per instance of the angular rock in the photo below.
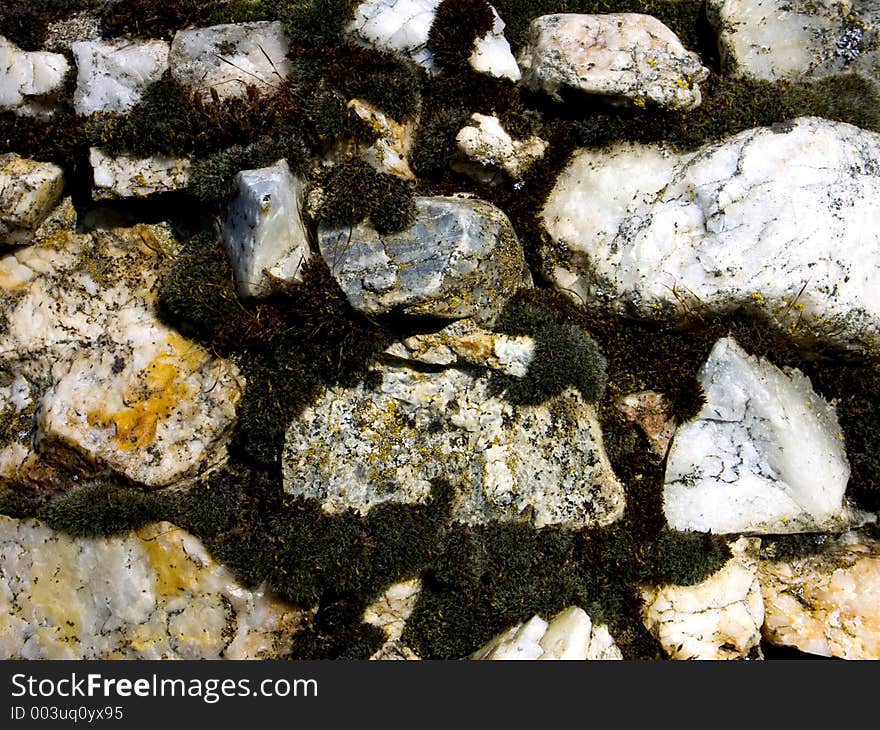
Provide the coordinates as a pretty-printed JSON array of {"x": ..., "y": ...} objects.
[
  {"x": 126, "y": 176},
  {"x": 29, "y": 191},
  {"x": 389, "y": 153},
  {"x": 460, "y": 258},
  {"x": 403, "y": 26},
  {"x": 828, "y": 603},
  {"x": 652, "y": 412},
  {"x": 778, "y": 40},
  {"x": 264, "y": 233},
  {"x": 569, "y": 635},
  {"x": 390, "y": 613},
  {"x": 364, "y": 445},
  {"x": 229, "y": 58},
  {"x": 490, "y": 146},
  {"x": 465, "y": 343},
  {"x": 153, "y": 594},
  {"x": 112, "y": 75},
  {"x": 113, "y": 388},
  {"x": 765, "y": 454},
  {"x": 719, "y": 618},
  {"x": 778, "y": 217},
  {"x": 28, "y": 74},
  {"x": 618, "y": 55}
]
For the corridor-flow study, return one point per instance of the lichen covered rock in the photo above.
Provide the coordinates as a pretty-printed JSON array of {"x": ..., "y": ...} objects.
[
  {"x": 627, "y": 55},
  {"x": 486, "y": 143},
  {"x": 126, "y": 176},
  {"x": 387, "y": 441},
  {"x": 114, "y": 389},
  {"x": 29, "y": 191},
  {"x": 152, "y": 594}
]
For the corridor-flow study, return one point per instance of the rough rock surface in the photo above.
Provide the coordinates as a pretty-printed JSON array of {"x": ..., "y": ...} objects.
[
  {"x": 126, "y": 176},
  {"x": 112, "y": 75},
  {"x": 465, "y": 343},
  {"x": 779, "y": 217},
  {"x": 229, "y": 58},
  {"x": 29, "y": 191},
  {"x": 800, "y": 39},
  {"x": 569, "y": 635},
  {"x": 764, "y": 455},
  {"x": 652, "y": 412},
  {"x": 719, "y": 618},
  {"x": 826, "y": 604},
  {"x": 112, "y": 387},
  {"x": 368, "y": 444},
  {"x": 27, "y": 74},
  {"x": 389, "y": 153},
  {"x": 617, "y": 55},
  {"x": 152, "y": 594},
  {"x": 459, "y": 258},
  {"x": 264, "y": 232},
  {"x": 487, "y": 143},
  {"x": 403, "y": 26},
  {"x": 390, "y": 613}
]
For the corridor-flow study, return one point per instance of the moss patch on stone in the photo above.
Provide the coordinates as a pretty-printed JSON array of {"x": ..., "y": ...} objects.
[{"x": 456, "y": 27}]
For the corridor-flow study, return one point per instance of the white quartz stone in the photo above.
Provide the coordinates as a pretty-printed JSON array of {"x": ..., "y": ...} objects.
[
  {"x": 764, "y": 455},
  {"x": 390, "y": 612},
  {"x": 26, "y": 74},
  {"x": 264, "y": 233},
  {"x": 459, "y": 258},
  {"x": 403, "y": 26},
  {"x": 488, "y": 144},
  {"x": 779, "y": 217},
  {"x": 389, "y": 153},
  {"x": 617, "y": 55},
  {"x": 114, "y": 388},
  {"x": 569, "y": 635},
  {"x": 153, "y": 594},
  {"x": 779, "y": 39},
  {"x": 112, "y": 75},
  {"x": 828, "y": 603},
  {"x": 229, "y": 58},
  {"x": 29, "y": 191},
  {"x": 719, "y": 618},
  {"x": 360, "y": 446},
  {"x": 126, "y": 176}
]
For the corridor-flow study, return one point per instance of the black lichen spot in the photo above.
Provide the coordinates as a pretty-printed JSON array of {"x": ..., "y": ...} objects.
[
  {"x": 565, "y": 355},
  {"x": 457, "y": 25},
  {"x": 102, "y": 509},
  {"x": 354, "y": 191}
]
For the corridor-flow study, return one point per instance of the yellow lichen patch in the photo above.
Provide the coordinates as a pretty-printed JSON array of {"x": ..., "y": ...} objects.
[
  {"x": 160, "y": 387},
  {"x": 176, "y": 573}
]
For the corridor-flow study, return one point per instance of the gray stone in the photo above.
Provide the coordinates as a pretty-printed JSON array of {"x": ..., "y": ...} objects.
[
  {"x": 779, "y": 218},
  {"x": 360, "y": 446},
  {"x": 264, "y": 232},
  {"x": 626, "y": 55},
  {"x": 227, "y": 59},
  {"x": 460, "y": 258}
]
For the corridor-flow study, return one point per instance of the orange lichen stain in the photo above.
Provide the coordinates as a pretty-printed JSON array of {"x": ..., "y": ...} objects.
[
  {"x": 161, "y": 387},
  {"x": 476, "y": 346},
  {"x": 176, "y": 573}
]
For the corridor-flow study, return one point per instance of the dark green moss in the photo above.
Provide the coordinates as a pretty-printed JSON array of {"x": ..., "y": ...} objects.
[
  {"x": 211, "y": 179},
  {"x": 158, "y": 19},
  {"x": 793, "y": 547},
  {"x": 565, "y": 355},
  {"x": 314, "y": 23},
  {"x": 102, "y": 509},
  {"x": 354, "y": 191},
  {"x": 457, "y": 25}
]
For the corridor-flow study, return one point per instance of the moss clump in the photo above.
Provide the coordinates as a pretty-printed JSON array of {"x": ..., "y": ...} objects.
[
  {"x": 565, "y": 355},
  {"x": 158, "y": 19},
  {"x": 315, "y": 23},
  {"x": 457, "y": 25},
  {"x": 211, "y": 179},
  {"x": 102, "y": 509},
  {"x": 354, "y": 191}
]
